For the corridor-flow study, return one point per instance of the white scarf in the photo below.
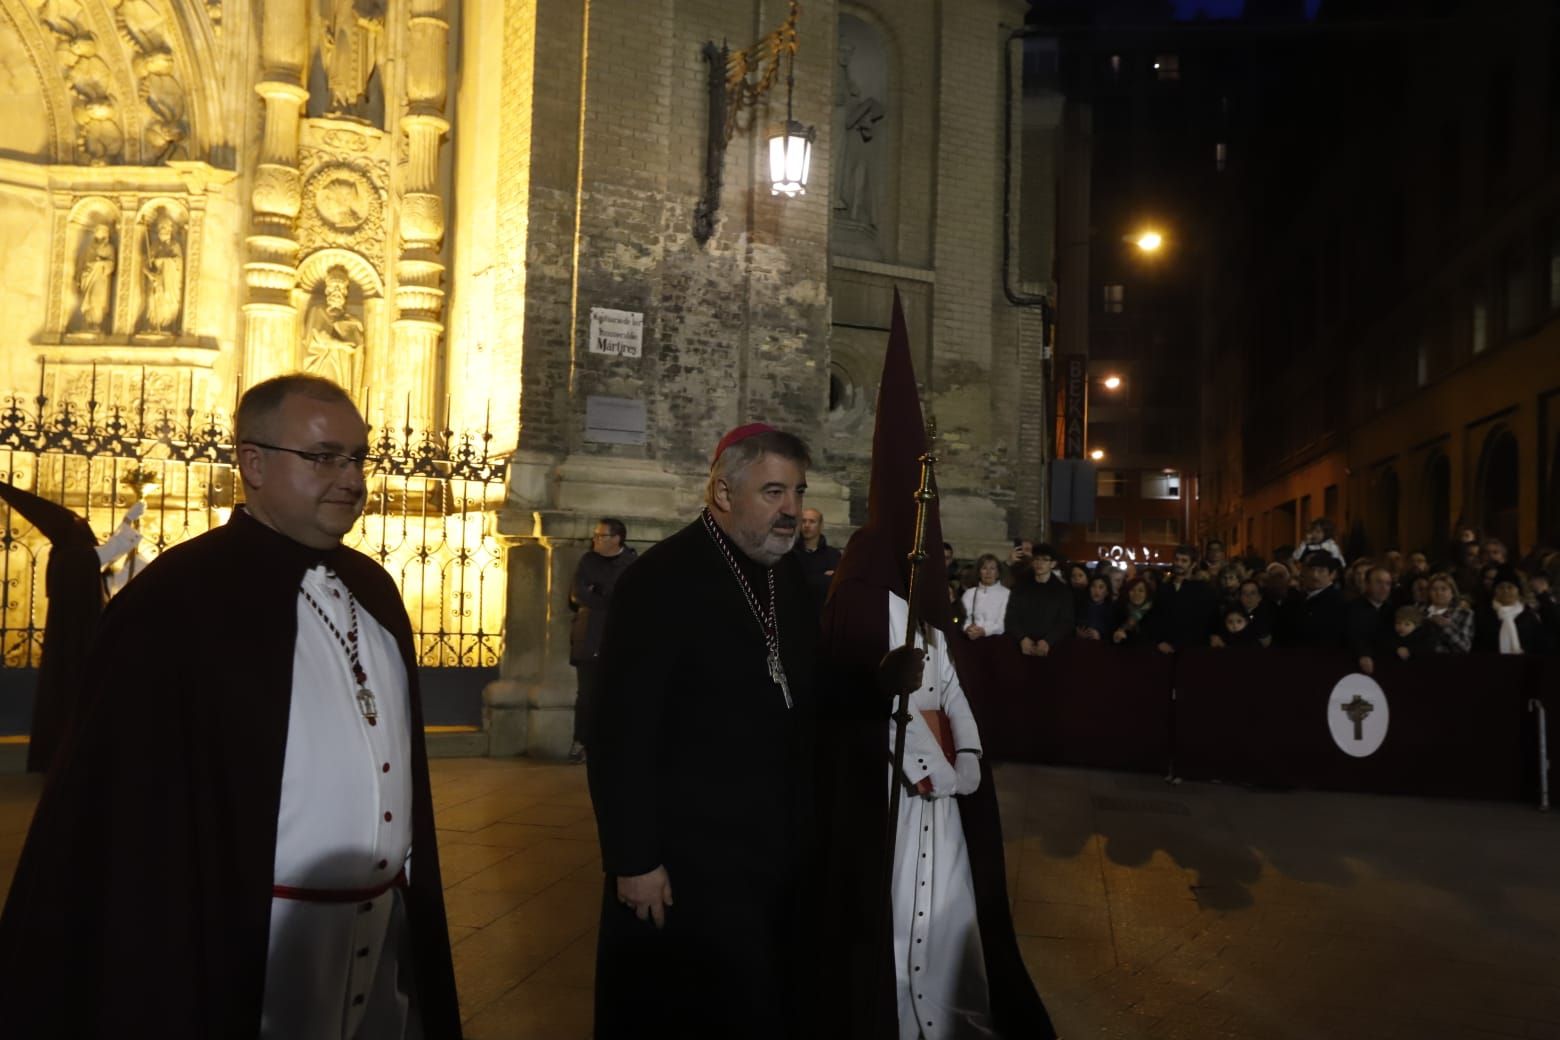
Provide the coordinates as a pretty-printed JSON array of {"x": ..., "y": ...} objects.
[{"x": 1510, "y": 642}]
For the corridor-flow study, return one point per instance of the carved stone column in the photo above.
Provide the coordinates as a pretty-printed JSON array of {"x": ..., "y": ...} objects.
[
  {"x": 419, "y": 294},
  {"x": 270, "y": 319}
]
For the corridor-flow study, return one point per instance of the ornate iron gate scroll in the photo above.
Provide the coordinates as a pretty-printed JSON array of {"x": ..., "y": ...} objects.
[{"x": 429, "y": 519}]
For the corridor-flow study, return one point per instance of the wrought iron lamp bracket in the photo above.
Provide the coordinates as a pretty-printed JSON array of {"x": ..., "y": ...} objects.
[{"x": 737, "y": 81}]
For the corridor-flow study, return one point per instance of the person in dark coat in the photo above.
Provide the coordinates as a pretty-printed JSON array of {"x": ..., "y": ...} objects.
[
  {"x": 702, "y": 761},
  {"x": 1368, "y": 620},
  {"x": 1096, "y": 621},
  {"x": 1236, "y": 631},
  {"x": 73, "y": 583},
  {"x": 1507, "y": 625},
  {"x": 1136, "y": 624},
  {"x": 1259, "y": 613},
  {"x": 589, "y": 597},
  {"x": 1184, "y": 606},
  {"x": 1313, "y": 618},
  {"x": 817, "y": 557},
  {"x": 1040, "y": 612},
  {"x": 144, "y": 901},
  {"x": 1411, "y": 637},
  {"x": 855, "y": 968}
]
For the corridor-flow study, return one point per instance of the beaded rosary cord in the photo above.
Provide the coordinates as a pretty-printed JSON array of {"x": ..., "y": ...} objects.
[{"x": 349, "y": 643}]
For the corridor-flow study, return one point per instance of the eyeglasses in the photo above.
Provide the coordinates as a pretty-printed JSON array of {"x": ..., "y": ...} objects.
[{"x": 327, "y": 461}]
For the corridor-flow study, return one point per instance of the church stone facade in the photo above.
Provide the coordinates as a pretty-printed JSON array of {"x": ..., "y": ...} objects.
[{"x": 481, "y": 214}]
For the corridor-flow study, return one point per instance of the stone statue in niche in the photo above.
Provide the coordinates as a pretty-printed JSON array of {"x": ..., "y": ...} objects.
[
  {"x": 95, "y": 279},
  {"x": 333, "y": 338},
  {"x": 349, "y": 52},
  {"x": 855, "y": 188},
  {"x": 163, "y": 272}
]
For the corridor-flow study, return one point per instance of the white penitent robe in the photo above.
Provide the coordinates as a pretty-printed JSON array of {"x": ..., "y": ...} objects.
[
  {"x": 344, "y": 826},
  {"x": 942, "y": 990}
]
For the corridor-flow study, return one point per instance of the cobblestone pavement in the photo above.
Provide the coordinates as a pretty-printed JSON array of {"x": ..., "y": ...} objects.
[{"x": 1144, "y": 910}]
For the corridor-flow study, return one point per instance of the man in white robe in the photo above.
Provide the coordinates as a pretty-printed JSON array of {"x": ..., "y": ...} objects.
[
  {"x": 938, "y": 962},
  {"x": 241, "y": 842}
]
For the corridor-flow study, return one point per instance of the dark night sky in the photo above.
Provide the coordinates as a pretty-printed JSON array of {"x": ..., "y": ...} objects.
[{"x": 1187, "y": 9}]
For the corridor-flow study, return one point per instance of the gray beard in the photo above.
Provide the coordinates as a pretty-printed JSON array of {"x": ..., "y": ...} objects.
[{"x": 765, "y": 551}]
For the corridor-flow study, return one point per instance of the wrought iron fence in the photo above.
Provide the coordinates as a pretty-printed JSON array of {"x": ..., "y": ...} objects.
[{"x": 429, "y": 519}]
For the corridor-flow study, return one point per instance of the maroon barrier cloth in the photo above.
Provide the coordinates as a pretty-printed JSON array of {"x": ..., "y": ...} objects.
[
  {"x": 1457, "y": 723},
  {"x": 1086, "y": 704}
]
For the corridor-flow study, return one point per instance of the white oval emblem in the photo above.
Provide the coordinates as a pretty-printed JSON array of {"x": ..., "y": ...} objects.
[{"x": 1357, "y": 715}]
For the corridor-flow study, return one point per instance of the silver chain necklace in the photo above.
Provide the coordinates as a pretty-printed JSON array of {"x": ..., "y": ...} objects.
[{"x": 770, "y": 622}]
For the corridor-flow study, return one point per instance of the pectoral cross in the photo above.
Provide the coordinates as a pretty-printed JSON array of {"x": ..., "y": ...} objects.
[
  {"x": 368, "y": 706},
  {"x": 1356, "y": 710},
  {"x": 777, "y": 674}
]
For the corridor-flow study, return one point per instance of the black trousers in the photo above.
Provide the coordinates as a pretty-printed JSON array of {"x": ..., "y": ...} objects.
[
  {"x": 587, "y": 675},
  {"x": 722, "y": 967}
]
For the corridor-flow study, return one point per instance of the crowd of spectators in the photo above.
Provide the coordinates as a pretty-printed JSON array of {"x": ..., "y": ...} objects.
[{"x": 1472, "y": 598}]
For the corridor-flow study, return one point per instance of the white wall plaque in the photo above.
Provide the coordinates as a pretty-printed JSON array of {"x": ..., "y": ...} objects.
[{"x": 619, "y": 333}]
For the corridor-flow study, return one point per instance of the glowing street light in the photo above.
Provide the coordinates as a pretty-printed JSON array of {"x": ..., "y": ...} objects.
[
  {"x": 1097, "y": 454},
  {"x": 1149, "y": 241},
  {"x": 1113, "y": 382}
]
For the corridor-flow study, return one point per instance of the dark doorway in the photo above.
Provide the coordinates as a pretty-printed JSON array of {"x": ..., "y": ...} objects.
[
  {"x": 1499, "y": 488},
  {"x": 1438, "y": 504},
  {"x": 1387, "y": 493},
  {"x": 1552, "y": 501}
]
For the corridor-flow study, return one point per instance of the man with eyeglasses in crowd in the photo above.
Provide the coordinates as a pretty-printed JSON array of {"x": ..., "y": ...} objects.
[
  {"x": 239, "y": 841},
  {"x": 589, "y": 596}
]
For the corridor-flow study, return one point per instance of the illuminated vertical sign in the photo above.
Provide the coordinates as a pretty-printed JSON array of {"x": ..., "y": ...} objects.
[{"x": 1073, "y": 413}]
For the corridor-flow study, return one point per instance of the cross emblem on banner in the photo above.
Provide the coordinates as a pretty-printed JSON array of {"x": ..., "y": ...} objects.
[{"x": 1356, "y": 710}]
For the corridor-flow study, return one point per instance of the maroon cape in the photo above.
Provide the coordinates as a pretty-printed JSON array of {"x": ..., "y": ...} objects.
[
  {"x": 142, "y": 902},
  {"x": 857, "y": 986}
]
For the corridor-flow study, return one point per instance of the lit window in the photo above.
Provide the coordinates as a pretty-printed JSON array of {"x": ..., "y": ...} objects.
[
  {"x": 1221, "y": 155},
  {"x": 1167, "y": 66},
  {"x": 1165, "y": 485},
  {"x": 1109, "y": 483},
  {"x": 1481, "y": 328},
  {"x": 1115, "y": 298},
  {"x": 1422, "y": 365},
  {"x": 1108, "y": 529},
  {"x": 1165, "y": 530},
  {"x": 1115, "y": 66}
]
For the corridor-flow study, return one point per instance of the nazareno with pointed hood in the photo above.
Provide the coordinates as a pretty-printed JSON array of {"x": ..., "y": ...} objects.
[
  {"x": 856, "y": 984},
  {"x": 73, "y": 582}
]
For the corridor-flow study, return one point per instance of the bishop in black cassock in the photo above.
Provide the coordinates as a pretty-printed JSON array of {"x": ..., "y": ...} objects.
[
  {"x": 701, "y": 767},
  {"x": 143, "y": 901}
]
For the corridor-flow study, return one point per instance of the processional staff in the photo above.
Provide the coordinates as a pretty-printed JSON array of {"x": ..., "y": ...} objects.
[{"x": 925, "y": 495}]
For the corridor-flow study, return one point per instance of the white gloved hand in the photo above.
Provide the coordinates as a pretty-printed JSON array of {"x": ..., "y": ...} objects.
[
  {"x": 119, "y": 543},
  {"x": 944, "y": 780},
  {"x": 967, "y": 773},
  {"x": 135, "y": 512}
]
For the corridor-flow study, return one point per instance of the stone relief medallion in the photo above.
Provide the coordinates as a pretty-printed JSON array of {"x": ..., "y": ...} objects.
[
  {"x": 343, "y": 206},
  {"x": 342, "y": 196}
]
